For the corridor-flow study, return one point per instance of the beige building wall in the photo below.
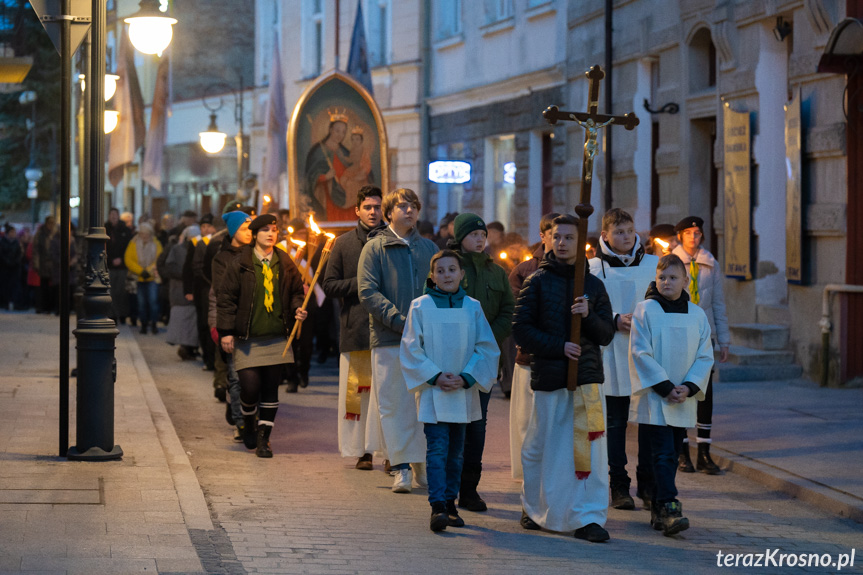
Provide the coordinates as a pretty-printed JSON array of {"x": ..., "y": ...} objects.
[{"x": 669, "y": 40}]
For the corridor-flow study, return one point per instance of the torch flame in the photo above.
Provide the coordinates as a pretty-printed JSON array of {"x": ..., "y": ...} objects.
[
  {"x": 330, "y": 236},
  {"x": 298, "y": 243},
  {"x": 528, "y": 257},
  {"x": 662, "y": 243},
  {"x": 503, "y": 255},
  {"x": 313, "y": 225},
  {"x": 290, "y": 230},
  {"x": 267, "y": 199},
  {"x": 586, "y": 247}
]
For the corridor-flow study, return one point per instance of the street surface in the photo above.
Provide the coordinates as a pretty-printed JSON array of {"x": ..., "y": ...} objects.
[{"x": 308, "y": 511}]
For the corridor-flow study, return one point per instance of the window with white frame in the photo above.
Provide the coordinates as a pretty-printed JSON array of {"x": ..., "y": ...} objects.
[
  {"x": 535, "y": 3},
  {"x": 312, "y": 37},
  {"x": 447, "y": 18},
  {"x": 378, "y": 16},
  {"x": 496, "y": 10}
]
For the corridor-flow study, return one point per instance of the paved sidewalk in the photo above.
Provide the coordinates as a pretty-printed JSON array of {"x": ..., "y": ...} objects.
[
  {"x": 795, "y": 437},
  {"x": 58, "y": 516}
]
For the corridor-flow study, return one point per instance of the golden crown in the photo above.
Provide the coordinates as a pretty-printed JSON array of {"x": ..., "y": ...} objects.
[
  {"x": 358, "y": 130},
  {"x": 338, "y": 115}
]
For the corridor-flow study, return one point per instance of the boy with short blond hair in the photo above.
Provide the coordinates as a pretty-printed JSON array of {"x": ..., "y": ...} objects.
[
  {"x": 670, "y": 361},
  {"x": 626, "y": 271}
]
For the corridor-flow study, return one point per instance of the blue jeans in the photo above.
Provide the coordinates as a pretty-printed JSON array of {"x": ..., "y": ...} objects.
[
  {"x": 663, "y": 440},
  {"x": 148, "y": 302},
  {"x": 444, "y": 458},
  {"x": 617, "y": 413},
  {"x": 474, "y": 442}
]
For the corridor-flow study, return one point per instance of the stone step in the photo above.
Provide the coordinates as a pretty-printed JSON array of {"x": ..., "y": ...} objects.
[
  {"x": 773, "y": 314},
  {"x": 760, "y": 336},
  {"x": 727, "y": 372},
  {"x": 740, "y": 355}
]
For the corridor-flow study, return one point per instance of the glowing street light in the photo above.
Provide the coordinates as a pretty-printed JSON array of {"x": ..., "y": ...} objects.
[
  {"x": 110, "y": 84},
  {"x": 112, "y": 118},
  {"x": 150, "y": 31},
  {"x": 212, "y": 140}
]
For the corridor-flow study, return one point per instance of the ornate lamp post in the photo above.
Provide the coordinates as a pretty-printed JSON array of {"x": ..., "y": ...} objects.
[{"x": 213, "y": 140}]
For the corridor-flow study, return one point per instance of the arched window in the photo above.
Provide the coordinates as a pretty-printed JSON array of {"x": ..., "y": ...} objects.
[{"x": 702, "y": 61}]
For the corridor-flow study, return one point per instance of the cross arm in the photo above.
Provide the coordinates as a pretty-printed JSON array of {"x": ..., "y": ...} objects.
[{"x": 553, "y": 114}]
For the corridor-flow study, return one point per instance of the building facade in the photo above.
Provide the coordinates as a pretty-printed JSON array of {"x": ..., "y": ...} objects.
[{"x": 468, "y": 81}]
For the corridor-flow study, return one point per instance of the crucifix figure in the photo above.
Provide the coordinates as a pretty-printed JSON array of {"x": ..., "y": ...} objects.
[{"x": 592, "y": 122}]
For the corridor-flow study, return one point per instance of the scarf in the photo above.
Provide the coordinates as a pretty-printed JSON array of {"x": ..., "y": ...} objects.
[
  {"x": 359, "y": 381},
  {"x": 693, "y": 282},
  {"x": 588, "y": 425},
  {"x": 146, "y": 252}
]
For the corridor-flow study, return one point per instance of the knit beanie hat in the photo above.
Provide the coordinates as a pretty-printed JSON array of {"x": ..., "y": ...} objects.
[
  {"x": 234, "y": 220},
  {"x": 466, "y": 223}
]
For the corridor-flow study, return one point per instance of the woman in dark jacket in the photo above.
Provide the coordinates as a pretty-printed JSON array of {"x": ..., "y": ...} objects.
[
  {"x": 488, "y": 283},
  {"x": 260, "y": 288}
]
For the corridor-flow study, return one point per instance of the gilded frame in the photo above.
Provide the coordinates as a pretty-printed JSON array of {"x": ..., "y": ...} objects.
[{"x": 299, "y": 126}]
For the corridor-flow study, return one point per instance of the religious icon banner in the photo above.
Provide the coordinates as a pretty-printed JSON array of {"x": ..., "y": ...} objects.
[
  {"x": 736, "y": 151},
  {"x": 337, "y": 144},
  {"x": 793, "y": 191}
]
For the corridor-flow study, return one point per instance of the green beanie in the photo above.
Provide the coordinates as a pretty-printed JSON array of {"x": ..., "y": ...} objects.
[{"x": 466, "y": 223}]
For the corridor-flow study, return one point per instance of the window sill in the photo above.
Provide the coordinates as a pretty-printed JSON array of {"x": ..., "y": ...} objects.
[
  {"x": 498, "y": 26},
  {"x": 540, "y": 10},
  {"x": 451, "y": 42}
]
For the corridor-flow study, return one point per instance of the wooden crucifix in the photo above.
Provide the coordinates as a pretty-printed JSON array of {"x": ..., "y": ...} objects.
[{"x": 592, "y": 122}]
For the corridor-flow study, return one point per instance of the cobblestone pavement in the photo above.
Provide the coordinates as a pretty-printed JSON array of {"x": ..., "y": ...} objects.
[{"x": 308, "y": 511}]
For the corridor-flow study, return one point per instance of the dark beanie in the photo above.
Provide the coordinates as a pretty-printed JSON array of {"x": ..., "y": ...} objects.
[
  {"x": 689, "y": 222},
  {"x": 465, "y": 224},
  {"x": 207, "y": 219}
]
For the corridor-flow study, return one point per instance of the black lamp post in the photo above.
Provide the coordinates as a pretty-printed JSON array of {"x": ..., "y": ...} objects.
[{"x": 213, "y": 140}]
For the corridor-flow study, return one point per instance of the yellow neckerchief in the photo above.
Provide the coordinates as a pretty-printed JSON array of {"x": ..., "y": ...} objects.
[
  {"x": 268, "y": 279},
  {"x": 693, "y": 282}
]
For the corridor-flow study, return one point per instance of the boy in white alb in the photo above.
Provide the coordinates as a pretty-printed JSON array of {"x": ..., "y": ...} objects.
[
  {"x": 670, "y": 362},
  {"x": 448, "y": 353},
  {"x": 626, "y": 271}
]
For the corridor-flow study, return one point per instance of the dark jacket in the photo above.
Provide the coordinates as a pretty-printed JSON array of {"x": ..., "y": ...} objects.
[
  {"x": 541, "y": 325},
  {"x": 220, "y": 264},
  {"x": 516, "y": 281},
  {"x": 218, "y": 241},
  {"x": 487, "y": 282},
  {"x": 237, "y": 293},
  {"x": 119, "y": 237},
  {"x": 340, "y": 281},
  {"x": 10, "y": 255}
]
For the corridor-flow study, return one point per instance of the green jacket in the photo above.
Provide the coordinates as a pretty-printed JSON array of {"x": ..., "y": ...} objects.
[{"x": 488, "y": 283}]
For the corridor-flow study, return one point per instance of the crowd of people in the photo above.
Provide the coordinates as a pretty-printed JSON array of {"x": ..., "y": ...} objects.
[{"x": 424, "y": 325}]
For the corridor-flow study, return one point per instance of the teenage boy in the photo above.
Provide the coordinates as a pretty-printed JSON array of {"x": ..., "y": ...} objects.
[
  {"x": 448, "y": 354},
  {"x": 564, "y": 454},
  {"x": 626, "y": 271},
  {"x": 358, "y": 436},
  {"x": 392, "y": 270},
  {"x": 521, "y": 397},
  {"x": 670, "y": 361}
]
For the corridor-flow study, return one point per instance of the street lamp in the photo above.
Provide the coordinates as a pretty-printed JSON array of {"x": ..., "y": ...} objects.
[
  {"x": 213, "y": 140},
  {"x": 110, "y": 84},
  {"x": 149, "y": 29}
]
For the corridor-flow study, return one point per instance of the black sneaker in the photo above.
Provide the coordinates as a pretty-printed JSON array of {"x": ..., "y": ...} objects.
[
  {"x": 527, "y": 523},
  {"x": 620, "y": 498},
  {"x": 592, "y": 532},
  {"x": 671, "y": 519},
  {"x": 439, "y": 518},
  {"x": 452, "y": 513}
]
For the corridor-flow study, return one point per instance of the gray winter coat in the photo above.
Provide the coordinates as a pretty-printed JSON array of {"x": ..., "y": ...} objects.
[
  {"x": 174, "y": 272},
  {"x": 391, "y": 275},
  {"x": 340, "y": 282}
]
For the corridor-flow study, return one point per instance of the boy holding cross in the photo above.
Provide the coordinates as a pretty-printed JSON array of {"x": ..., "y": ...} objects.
[{"x": 564, "y": 454}]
